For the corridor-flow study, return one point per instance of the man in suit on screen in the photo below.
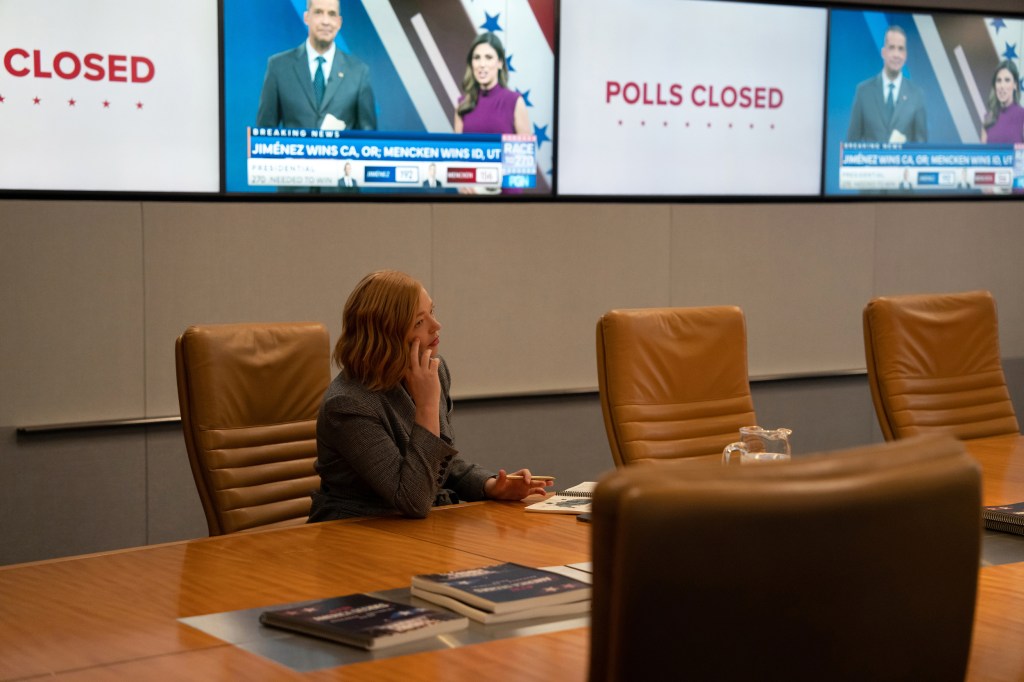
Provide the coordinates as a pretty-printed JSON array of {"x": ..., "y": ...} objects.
[
  {"x": 347, "y": 183},
  {"x": 316, "y": 85},
  {"x": 432, "y": 182},
  {"x": 889, "y": 107}
]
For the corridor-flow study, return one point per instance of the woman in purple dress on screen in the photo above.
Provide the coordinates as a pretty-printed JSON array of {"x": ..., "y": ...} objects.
[
  {"x": 487, "y": 105},
  {"x": 1004, "y": 123}
]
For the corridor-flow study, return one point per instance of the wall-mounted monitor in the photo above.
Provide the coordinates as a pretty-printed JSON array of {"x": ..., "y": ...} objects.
[
  {"x": 683, "y": 98},
  {"x": 102, "y": 96},
  {"x": 924, "y": 103},
  {"x": 411, "y": 97}
]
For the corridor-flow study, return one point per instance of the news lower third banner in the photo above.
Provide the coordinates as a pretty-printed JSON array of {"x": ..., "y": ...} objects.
[
  {"x": 394, "y": 161},
  {"x": 996, "y": 169}
]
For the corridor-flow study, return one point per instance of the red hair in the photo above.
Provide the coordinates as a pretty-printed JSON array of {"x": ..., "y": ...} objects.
[{"x": 377, "y": 316}]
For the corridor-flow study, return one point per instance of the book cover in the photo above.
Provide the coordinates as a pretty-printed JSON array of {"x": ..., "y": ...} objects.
[
  {"x": 504, "y": 588},
  {"x": 364, "y": 621},
  {"x": 486, "y": 617},
  {"x": 574, "y": 500},
  {"x": 1008, "y": 518}
]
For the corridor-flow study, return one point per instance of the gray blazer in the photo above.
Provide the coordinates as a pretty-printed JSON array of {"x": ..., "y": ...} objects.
[
  {"x": 869, "y": 121},
  {"x": 287, "y": 100},
  {"x": 374, "y": 460}
]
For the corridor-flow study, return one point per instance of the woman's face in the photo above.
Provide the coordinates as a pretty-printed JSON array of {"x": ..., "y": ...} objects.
[
  {"x": 1005, "y": 86},
  {"x": 485, "y": 65},
  {"x": 425, "y": 326}
]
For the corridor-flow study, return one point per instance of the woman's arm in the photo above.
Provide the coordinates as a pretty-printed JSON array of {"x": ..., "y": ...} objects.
[
  {"x": 521, "y": 118},
  {"x": 501, "y": 487},
  {"x": 397, "y": 458},
  {"x": 392, "y": 444}
]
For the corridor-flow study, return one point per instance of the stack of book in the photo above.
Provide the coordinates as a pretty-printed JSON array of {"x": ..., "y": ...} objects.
[{"x": 504, "y": 592}]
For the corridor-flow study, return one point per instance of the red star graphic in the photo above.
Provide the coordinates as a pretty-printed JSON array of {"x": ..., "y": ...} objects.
[
  {"x": 1, "y": 99},
  {"x": 106, "y": 104},
  {"x": 35, "y": 100},
  {"x": 71, "y": 102},
  {"x": 138, "y": 105}
]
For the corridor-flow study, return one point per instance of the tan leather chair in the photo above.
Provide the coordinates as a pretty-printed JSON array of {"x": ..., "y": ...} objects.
[
  {"x": 672, "y": 381},
  {"x": 857, "y": 565},
  {"x": 933, "y": 365},
  {"x": 249, "y": 396}
]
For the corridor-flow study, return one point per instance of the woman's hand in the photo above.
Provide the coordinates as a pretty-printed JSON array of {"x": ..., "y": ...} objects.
[
  {"x": 504, "y": 488},
  {"x": 424, "y": 386}
]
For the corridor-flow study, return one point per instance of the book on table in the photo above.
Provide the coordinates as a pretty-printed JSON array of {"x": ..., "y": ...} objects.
[
  {"x": 487, "y": 617},
  {"x": 504, "y": 589},
  {"x": 574, "y": 500},
  {"x": 1008, "y": 518},
  {"x": 364, "y": 621}
]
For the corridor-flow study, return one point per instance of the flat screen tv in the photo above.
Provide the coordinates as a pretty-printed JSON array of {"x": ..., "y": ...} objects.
[
  {"x": 98, "y": 96},
  {"x": 380, "y": 115},
  {"x": 953, "y": 124},
  {"x": 688, "y": 98}
]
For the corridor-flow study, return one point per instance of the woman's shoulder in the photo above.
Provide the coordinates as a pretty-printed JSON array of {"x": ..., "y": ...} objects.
[
  {"x": 345, "y": 391},
  {"x": 508, "y": 93},
  {"x": 444, "y": 372}
]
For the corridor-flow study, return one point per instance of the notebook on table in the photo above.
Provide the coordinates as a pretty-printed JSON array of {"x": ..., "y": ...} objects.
[{"x": 574, "y": 500}]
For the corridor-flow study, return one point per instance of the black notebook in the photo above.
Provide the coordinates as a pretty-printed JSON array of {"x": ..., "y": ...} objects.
[
  {"x": 1008, "y": 518},
  {"x": 364, "y": 621}
]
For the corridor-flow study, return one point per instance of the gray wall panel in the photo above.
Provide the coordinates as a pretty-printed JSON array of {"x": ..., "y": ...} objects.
[
  {"x": 71, "y": 493},
  {"x": 801, "y": 273},
  {"x": 945, "y": 247},
  {"x": 519, "y": 288},
  {"x": 223, "y": 262},
  {"x": 71, "y": 311}
]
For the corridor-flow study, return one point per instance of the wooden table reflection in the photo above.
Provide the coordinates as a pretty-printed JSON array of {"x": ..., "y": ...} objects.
[{"x": 1002, "y": 468}]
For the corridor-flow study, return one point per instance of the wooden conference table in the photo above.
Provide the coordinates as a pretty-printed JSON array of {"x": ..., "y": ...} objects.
[{"x": 115, "y": 615}]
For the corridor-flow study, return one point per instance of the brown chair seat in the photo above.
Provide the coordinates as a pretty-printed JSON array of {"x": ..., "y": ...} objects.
[
  {"x": 249, "y": 396},
  {"x": 934, "y": 365},
  {"x": 858, "y": 565},
  {"x": 672, "y": 381}
]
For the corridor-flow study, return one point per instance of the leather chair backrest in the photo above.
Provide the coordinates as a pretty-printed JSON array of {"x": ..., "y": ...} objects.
[
  {"x": 249, "y": 396},
  {"x": 673, "y": 381},
  {"x": 934, "y": 365},
  {"x": 857, "y": 565}
]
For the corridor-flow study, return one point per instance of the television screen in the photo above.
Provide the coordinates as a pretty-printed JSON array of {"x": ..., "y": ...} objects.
[
  {"x": 924, "y": 103},
  {"x": 680, "y": 97},
  {"x": 99, "y": 96},
  {"x": 409, "y": 96}
]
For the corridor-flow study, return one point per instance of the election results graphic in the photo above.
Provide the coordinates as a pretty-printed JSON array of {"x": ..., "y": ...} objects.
[
  {"x": 415, "y": 57},
  {"x": 944, "y": 133},
  {"x": 679, "y": 97},
  {"x": 108, "y": 96}
]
